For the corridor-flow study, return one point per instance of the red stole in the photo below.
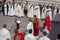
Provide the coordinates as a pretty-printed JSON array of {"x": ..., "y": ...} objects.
[
  {"x": 21, "y": 36},
  {"x": 36, "y": 26},
  {"x": 47, "y": 23}
]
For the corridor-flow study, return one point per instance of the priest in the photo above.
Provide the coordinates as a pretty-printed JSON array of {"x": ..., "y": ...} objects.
[
  {"x": 26, "y": 8},
  {"x": 36, "y": 26},
  {"x": 46, "y": 25},
  {"x": 4, "y": 33},
  {"x": 29, "y": 36},
  {"x": 44, "y": 12},
  {"x": 30, "y": 11},
  {"x": 37, "y": 11},
  {"x": 30, "y": 25},
  {"x": 50, "y": 13},
  {"x": 19, "y": 35},
  {"x": 19, "y": 10}
]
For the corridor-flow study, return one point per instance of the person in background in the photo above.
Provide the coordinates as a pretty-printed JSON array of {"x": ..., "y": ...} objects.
[
  {"x": 6, "y": 8},
  {"x": 19, "y": 10},
  {"x": 3, "y": 8},
  {"x": 41, "y": 7},
  {"x": 43, "y": 12},
  {"x": 50, "y": 12},
  {"x": 4, "y": 33},
  {"x": 37, "y": 11},
  {"x": 45, "y": 36},
  {"x": 25, "y": 8},
  {"x": 30, "y": 13},
  {"x": 29, "y": 36},
  {"x": 53, "y": 8},
  {"x": 46, "y": 25}
]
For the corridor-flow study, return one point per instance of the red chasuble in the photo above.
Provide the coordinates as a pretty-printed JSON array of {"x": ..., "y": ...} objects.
[
  {"x": 47, "y": 23},
  {"x": 36, "y": 27},
  {"x": 19, "y": 35}
]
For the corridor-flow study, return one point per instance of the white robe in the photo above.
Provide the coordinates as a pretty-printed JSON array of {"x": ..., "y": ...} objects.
[
  {"x": 50, "y": 13},
  {"x": 15, "y": 9},
  {"x": 55, "y": 12},
  {"x": 59, "y": 10},
  {"x": 29, "y": 37},
  {"x": 4, "y": 34},
  {"x": 30, "y": 26},
  {"x": 43, "y": 13},
  {"x": 44, "y": 38},
  {"x": 5, "y": 9},
  {"x": 11, "y": 11},
  {"x": 20, "y": 12},
  {"x": 30, "y": 12},
  {"x": 37, "y": 11}
]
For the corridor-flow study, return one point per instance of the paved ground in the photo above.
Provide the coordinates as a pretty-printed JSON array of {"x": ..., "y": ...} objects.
[{"x": 24, "y": 21}]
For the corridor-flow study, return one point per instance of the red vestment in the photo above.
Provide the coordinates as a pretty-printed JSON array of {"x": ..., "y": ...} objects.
[
  {"x": 21, "y": 35},
  {"x": 47, "y": 23},
  {"x": 36, "y": 27}
]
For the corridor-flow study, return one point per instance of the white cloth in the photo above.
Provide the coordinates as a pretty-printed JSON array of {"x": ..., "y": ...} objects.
[
  {"x": 30, "y": 11},
  {"x": 59, "y": 10},
  {"x": 19, "y": 10},
  {"x": 4, "y": 34},
  {"x": 54, "y": 14},
  {"x": 43, "y": 13},
  {"x": 29, "y": 37},
  {"x": 11, "y": 11},
  {"x": 15, "y": 9},
  {"x": 37, "y": 11},
  {"x": 30, "y": 26},
  {"x": 44, "y": 38},
  {"x": 5, "y": 9},
  {"x": 50, "y": 13}
]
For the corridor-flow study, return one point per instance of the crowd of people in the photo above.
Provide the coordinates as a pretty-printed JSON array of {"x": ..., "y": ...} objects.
[
  {"x": 32, "y": 30},
  {"x": 30, "y": 9},
  {"x": 33, "y": 12}
]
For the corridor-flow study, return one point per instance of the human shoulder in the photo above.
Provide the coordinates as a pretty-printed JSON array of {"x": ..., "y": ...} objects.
[{"x": 48, "y": 38}]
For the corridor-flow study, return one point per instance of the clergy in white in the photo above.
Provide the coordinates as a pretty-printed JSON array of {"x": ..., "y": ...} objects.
[
  {"x": 45, "y": 37},
  {"x": 30, "y": 25},
  {"x": 19, "y": 10},
  {"x": 50, "y": 13},
  {"x": 29, "y": 36},
  {"x": 55, "y": 12},
  {"x": 5, "y": 8},
  {"x": 43, "y": 12},
  {"x": 30, "y": 11},
  {"x": 11, "y": 11},
  {"x": 59, "y": 9},
  {"x": 15, "y": 9},
  {"x": 4, "y": 33},
  {"x": 37, "y": 11}
]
